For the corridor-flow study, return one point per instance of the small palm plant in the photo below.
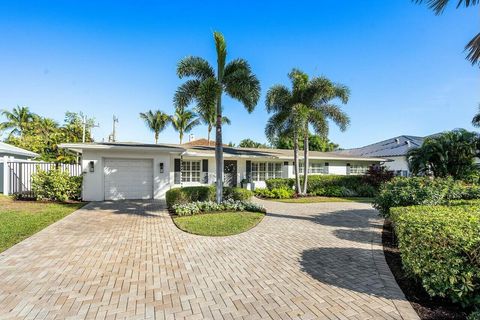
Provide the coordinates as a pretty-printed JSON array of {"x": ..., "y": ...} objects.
[
  {"x": 156, "y": 121},
  {"x": 207, "y": 86},
  {"x": 183, "y": 121}
]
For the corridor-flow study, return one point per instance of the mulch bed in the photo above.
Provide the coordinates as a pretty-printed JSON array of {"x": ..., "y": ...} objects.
[{"x": 426, "y": 307}]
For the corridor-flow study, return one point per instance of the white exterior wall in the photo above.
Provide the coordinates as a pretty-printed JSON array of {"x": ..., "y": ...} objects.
[
  {"x": 398, "y": 163},
  {"x": 93, "y": 182}
]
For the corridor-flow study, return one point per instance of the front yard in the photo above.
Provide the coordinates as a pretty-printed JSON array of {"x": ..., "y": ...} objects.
[{"x": 21, "y": 219}]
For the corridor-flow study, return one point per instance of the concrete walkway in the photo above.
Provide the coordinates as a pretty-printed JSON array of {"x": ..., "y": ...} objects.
[{"x": 126, "y": 260}]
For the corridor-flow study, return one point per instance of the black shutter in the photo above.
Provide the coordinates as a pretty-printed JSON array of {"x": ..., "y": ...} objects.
[
  {"x": 205, "y": 170},
  {"x": 249, "y": 171},
  {"x": 177, "y": 169}
]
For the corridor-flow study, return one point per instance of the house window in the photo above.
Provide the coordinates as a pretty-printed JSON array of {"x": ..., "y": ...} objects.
[
  {"x": 262, "y": 171},
  {"x": 313, "y": 168},
  {"x": 191, "y": 171},
  {"x": 358, "y": 169}
]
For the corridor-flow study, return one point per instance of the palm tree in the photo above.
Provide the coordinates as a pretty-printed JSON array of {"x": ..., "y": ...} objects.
[
  {"x": 476, "y": 119},
  {"x": 208, "y": 116},
  {"x": 17, "y": 120},
  {"x": 207, "y": 87},
  {"x": 183, "y": 121},
  {"x": 307, "y": 104},
  {"x": 156, "y": 121},
  {"x": 473, "y": 46}
]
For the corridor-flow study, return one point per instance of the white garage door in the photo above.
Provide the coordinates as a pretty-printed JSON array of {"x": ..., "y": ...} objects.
[{"x": 128, "y": 179}]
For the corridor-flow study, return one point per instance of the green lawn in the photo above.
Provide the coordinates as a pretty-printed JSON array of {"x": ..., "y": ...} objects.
[
  {"x": 21, "y": 219},
  {"x": 219, "y": 224},
  {"x": 324, "y": 199}
]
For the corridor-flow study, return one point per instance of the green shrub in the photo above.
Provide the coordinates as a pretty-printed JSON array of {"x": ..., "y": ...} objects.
[
  {"x": 277, "y": 193},
  {"x": 189, "y": 194},
  {"x": 192, "y": 208},
  {"x": 280, "y": 183},
  {"x": 440, "y": 246},
  {"x": 56, "y": 185},
  {"x": 475, "y": 315},
  {"x": 236, "y": 194},
  {"x": 401, "y": 192}
]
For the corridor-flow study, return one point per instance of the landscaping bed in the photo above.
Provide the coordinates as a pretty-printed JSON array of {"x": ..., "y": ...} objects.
[
  {"x": 219, "y": 223},
  {"x": 21, "y": 219},
  {"x": 318, "y": 199}
]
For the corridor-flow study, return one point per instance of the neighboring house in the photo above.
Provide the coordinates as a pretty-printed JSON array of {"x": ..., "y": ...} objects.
[
  {"x": 9, "y": 151},
  {"x": 394, "y": 149},
  {"x": 114, "y": 171}
]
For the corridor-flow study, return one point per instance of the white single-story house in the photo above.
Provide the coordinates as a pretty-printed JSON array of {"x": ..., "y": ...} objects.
[
  {"x": 394, "y": 149},
  {"x": 114, "y": 171},
  {"x": 7, "y": 151}
]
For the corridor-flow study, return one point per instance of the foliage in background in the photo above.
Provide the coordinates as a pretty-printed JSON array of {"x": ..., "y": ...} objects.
[
  {"x": 440, "y": 246},
  {"x": 43, "y": 135},
  {"x": 156, "y": 121},
  {"x": 275, "y": 193},
  {"x": 450, "y": 153},
  {"x": 276, "y": 183},
  {"x": 249, "y": 143},
  {"x": 377, "y": 175},
  {"x": 207, "y": 85},
  {"x": 56, "y": 185},
  {"x": 473, "y": 46},
  {"x": 315, "y": 143},
  {"x": 183, "y": 121},
  {"x": 401, "y": 192}
]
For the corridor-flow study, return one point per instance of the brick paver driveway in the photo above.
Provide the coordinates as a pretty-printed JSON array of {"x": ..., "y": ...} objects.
[{"x": 128, "y": 260}]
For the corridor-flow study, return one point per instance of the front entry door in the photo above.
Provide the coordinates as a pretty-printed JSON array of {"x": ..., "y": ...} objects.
[{"x": 230, "y": 173}]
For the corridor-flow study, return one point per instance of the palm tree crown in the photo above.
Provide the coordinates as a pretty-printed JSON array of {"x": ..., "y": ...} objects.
[
  {"x": 206, "y": 87},
  {"x": 156, "y": 121},
  {"x": 17, "y": 120},
  {"x": 183, "y": 121},
  {"x": 307, "y": 104}
]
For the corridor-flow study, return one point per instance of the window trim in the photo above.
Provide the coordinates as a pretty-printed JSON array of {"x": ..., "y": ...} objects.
[
  {"x": 276, "y": 172},
  {"x": 187, "y": 175}
]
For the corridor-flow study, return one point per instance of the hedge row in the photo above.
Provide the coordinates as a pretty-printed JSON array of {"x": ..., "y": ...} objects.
[
  {"x": 440, "y": 246},
  {"x": 203, "y": 193},
  {"x": 401, "y": 192}
]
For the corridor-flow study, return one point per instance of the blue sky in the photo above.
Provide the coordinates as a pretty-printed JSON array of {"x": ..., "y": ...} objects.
[{"x": 404, "y": 65}]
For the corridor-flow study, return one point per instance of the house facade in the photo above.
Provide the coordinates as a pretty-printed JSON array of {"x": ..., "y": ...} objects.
[
  {"x": 116, "y": 171},
  {"x": 10, "y": 153}
]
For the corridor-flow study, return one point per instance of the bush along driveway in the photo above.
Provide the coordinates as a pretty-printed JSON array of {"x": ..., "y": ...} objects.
[{"x": 128, "y": 260}]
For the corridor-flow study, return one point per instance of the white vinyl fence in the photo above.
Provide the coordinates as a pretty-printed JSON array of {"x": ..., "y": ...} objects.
[{"x": 16, "y": 175}]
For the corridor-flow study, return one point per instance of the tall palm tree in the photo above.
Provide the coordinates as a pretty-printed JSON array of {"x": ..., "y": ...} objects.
[
  {"x": 307, "y": 104},
  {"x": 207, "y": 87},
  {"x": 156, "y": 121},
  {"x": 183, "y": 121},
  {"x": 476, "y": 119},
  {"x": 473, "y": 46},
  {"x": 17, "y": 120}
]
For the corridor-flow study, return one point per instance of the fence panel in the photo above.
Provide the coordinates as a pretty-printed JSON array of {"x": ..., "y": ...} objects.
[{"x": 20, "y": 174}]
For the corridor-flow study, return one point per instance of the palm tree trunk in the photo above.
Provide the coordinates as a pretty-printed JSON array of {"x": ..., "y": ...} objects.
[
  {"x": 181, "y": 137},
  {"x": 209, "y": 130},
  {"x": 219, "y": 151},
  {"x": 305, "y": 162},
  {"x": 156, "y": 137},
  {"x": 295, "y": 160}
]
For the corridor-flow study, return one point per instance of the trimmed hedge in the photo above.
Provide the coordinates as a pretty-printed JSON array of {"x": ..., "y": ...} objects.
[
  {"x": 440, "y": 246},
  {"x": 329, "y": 186},
  {"x": 277, "y": 193},
  {"x": 402, "y": 192},
  {"x": 200, "y": 207},
  {"x": 204, "y": 193}
]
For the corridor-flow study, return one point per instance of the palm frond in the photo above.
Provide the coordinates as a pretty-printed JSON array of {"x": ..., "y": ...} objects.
[
  {"x": 336, "y": 114},
  {"x": 221, "y": 48},
  {"x": 243, "y": 86},
  {"x": 195, "y": 67},
  {"x": 186, "y": 93},
  {"x": 438, "y": 6},
  {"x": 277, "y": 98},
  {"x": 473, "y": 48}
]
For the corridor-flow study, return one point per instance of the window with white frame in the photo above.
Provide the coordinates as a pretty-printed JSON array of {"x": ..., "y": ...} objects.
[
  {"x": 191, "y": 171},
  {"x": 358, "y": 169},
  {"x": 314, "y": 167},
  {"x": 262, "y": 171}
]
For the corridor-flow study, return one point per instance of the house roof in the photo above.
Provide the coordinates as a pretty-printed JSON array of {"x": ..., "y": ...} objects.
[
  {"x": 200, "y": 142},
  {"x": 209, "y": 151},
  {"x": 394, "y": 147},
  {"x": 16, "y": 151}
]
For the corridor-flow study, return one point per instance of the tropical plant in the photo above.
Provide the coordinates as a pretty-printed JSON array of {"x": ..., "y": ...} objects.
[
  {"x": 183, "y": 121},
  {"x": 16, "y": 120},
  {"x": 473, "y": 46},
  {"x": 315, "y": 143},
  {"x": 249, "y": 143},
  {"x": 206, "y": 87},
  {"x": 208, "y": 116},
  {"x": 476, "y": 119},
  {"x": 451, "y": 153},
  {"x": 156, "y": 121},
  {"x": 307, "y": 104}
]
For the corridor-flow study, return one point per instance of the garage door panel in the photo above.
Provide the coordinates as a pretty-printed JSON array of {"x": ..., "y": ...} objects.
[{"x": 128, "y": 179}]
